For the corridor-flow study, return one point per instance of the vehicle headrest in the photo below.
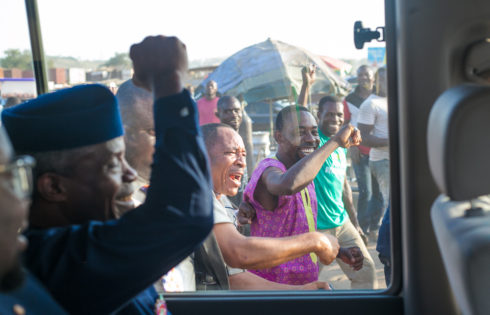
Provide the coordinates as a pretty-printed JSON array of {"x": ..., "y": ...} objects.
[{"x": 458, "y": 141}]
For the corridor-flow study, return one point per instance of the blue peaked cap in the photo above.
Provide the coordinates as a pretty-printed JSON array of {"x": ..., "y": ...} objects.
[{"x": 65, "y": 119}]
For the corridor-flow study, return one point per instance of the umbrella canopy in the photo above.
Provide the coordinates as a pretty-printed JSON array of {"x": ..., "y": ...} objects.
[
  {"x": 272, "y": 70},
  {"x": 338, "y": 65}
]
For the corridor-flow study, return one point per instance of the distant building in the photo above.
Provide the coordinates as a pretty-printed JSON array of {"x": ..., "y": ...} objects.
[
  {"x": 28, "y": 74},
  {"x": 123, "y": 75},
  {"x": 17, "y": 86},
  {"x": 76, "y": 76},
  {"x": 57, "y": 75},
  {"x": 115, "y": 74},
  {"x": 13, "y": 73},
  {"x": 95, "y": 76}
]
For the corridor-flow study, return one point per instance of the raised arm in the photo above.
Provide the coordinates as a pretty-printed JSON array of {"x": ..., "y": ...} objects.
[
  {"x": 303, "y": 172},
  {"x": 308, "y": 76},
  {"x": 246, "y": 134},
  {"x": 128, "y": 255},
  {"x": 180, "y": 181}
]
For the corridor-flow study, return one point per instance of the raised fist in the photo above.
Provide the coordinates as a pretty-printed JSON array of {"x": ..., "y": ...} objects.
[
  {"x": 159, "y": 60},
  {"x": 348, "y": 136}
]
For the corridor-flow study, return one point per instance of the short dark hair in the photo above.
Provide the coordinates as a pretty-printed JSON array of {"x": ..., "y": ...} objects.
[
  {"x": 327, "y": 99},
  {"x": 226, "y": 100},
  {"x": 285, "y": 113},
  {"x": 209, "y": 132},
  {"x": 128, "y": 95},
  {"x": 12, "y": 101}
]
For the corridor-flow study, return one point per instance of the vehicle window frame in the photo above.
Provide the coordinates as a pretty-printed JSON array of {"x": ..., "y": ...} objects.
[{"x": 394, "y": 290}]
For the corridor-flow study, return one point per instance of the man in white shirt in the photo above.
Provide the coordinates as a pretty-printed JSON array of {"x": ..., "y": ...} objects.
[{"x": 373, "y": 124}]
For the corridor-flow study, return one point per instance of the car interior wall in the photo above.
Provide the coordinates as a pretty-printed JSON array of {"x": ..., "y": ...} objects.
[{"x": 431, "y": 39}]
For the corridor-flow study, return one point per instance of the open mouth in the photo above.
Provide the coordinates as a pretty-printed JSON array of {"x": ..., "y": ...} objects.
[
  {"x": 307, "y": 150},
  {"x": 236, "y": 178}
]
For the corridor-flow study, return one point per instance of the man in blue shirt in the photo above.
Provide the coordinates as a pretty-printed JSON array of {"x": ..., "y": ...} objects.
[{"x": 95, "y": 267}]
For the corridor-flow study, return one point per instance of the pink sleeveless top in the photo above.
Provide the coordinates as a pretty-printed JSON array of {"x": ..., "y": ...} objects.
[{"x": 289, "y": 218}]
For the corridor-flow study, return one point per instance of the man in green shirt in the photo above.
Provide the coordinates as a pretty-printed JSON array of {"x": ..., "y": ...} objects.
[{"x": 336, "y": 212}]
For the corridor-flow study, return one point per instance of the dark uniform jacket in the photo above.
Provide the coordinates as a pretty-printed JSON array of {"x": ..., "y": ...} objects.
[
  {"x": 97, "y": 267},
  {"x": 30, "y": 298}
]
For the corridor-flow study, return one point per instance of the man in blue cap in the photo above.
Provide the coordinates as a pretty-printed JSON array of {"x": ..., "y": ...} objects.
[
  {"x": 20, "y": 292},
  {"x": 76, "y": 136}
]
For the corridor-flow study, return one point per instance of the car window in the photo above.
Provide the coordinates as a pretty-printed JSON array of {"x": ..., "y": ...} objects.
[{"x": 88, "y": 42}]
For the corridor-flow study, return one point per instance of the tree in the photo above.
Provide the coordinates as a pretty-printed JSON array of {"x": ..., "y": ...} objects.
[
  {"x": 14, "y": 58},
  {"x": 119, "y": 61}
]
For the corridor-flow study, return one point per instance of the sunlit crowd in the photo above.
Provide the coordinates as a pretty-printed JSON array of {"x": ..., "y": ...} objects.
[{"x": 112, "y": 199}]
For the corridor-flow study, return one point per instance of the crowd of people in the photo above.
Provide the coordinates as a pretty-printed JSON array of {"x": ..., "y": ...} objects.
[{"x": 125, "y": 197}]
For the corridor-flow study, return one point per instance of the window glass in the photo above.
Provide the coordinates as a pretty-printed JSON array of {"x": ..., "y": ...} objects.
[{"x": 254, "y": 50}]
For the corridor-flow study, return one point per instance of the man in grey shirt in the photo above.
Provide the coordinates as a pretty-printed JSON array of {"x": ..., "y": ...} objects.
[{"x": 227, "y": 158}]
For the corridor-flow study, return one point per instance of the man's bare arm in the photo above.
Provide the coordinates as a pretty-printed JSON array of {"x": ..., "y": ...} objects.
[
  {"x": 351, "y": 256},
  {"x": 246, "y": 133},
  {"x": 302, "y": 173},
  {"x": 368, "y": 139},
  {"x": 308, "y": 74},
  {"x": 264, "y": 252}
]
